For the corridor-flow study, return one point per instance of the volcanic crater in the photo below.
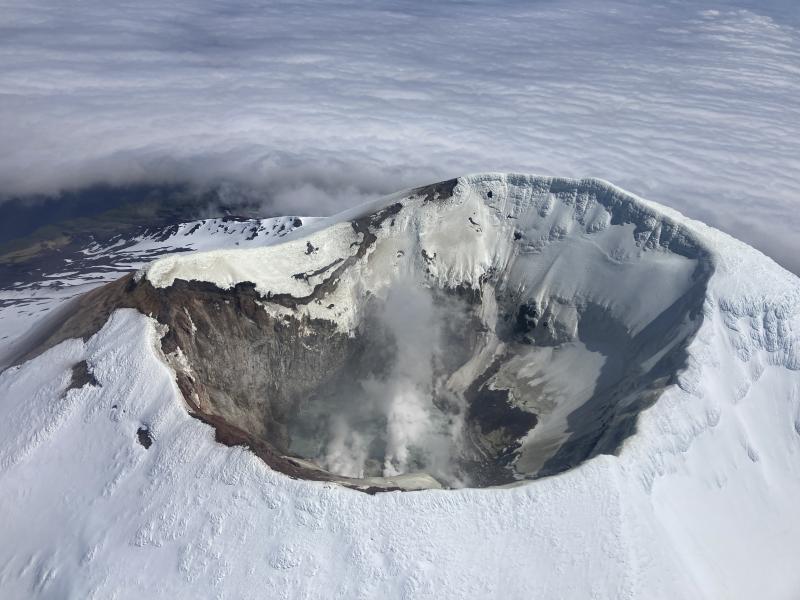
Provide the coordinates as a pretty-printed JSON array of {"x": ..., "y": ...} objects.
[{"x": 477, "y": 332}]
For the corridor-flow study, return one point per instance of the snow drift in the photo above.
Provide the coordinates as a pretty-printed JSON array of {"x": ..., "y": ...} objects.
[{"x": 482, "y": 331}]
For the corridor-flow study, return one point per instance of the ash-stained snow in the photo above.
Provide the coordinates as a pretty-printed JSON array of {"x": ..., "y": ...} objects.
[{"x": 699, "y": 503}]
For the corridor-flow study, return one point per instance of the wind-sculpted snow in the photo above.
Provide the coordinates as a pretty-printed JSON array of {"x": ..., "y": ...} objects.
[{"x": 698, "y": 502}]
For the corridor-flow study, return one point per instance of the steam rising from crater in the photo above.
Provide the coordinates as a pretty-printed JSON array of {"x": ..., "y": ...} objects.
[{"x": 405, "y": 420}]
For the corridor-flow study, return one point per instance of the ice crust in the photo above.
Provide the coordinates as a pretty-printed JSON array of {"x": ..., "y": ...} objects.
[{"x": 699, "y": 503}]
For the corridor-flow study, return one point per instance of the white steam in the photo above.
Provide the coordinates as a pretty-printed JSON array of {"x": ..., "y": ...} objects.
[
  {"x": 347, "y": 450},
  {"x": 396, "y": 418}
]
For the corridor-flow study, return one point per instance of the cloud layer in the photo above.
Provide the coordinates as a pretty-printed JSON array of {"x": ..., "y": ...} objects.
[{"x": 326, "y": 104}]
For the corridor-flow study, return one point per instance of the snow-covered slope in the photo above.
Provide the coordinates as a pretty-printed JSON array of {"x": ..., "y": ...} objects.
[
  {"x": 29, "y": 296},
  {"x": 109, "y": 488}
]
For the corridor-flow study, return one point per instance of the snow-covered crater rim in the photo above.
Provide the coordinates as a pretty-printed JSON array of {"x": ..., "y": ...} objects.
[{"x": 269, "y": 267}]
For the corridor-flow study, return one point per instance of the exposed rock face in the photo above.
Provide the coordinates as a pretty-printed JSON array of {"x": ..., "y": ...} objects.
[{"x": 480, "y": 331}]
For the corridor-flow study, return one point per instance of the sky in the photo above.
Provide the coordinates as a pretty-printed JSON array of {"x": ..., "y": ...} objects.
[{"x": 317, "y": 106}]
